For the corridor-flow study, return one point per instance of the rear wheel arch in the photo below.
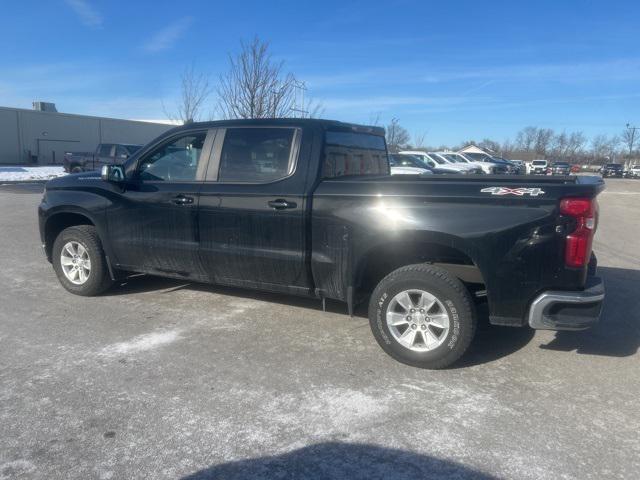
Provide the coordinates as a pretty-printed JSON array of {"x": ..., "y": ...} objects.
[{"x": 384, "y": 259}]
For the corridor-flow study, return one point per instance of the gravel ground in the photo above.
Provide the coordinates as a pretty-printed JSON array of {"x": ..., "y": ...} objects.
[{"x": 161, "y": 379}]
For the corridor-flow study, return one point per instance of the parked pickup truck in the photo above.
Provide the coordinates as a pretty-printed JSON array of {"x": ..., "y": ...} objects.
[
  {"x": 105, "y": 154},
  {"x": 308, "y": 207}
]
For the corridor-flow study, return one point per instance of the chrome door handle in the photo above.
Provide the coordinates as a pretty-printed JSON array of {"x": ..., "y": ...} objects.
[
  {"x": 281, "y": 204},
  {"x": 182, "y": 200}
]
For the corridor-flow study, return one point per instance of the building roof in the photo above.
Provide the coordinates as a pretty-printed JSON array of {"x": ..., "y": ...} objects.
[{"x": 476, "y": 149}]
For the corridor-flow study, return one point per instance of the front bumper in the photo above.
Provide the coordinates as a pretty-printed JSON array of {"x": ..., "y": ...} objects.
[{"x": 562, "y": 310}]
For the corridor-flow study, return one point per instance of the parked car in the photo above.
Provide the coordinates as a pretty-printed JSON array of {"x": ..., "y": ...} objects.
[
  {"x": 453, "y": 162},
  {"x": 559, "y": 168},
  {"x": 454, "y": 158},
  {"x": 308, "y": 207},
  {"x": 435, "y": 163},
  {"x": 407, "y": 165},
  {"x": 486, "y": 167},
  {"x": 105, "y": 154},
  {"x": 633, "y": 171},
  {"x": 538, "y": 167},
  {"x": 498, "y": 167},
  {"x": 512, "y": 168},
  {"x": 520, "y": 165},
  {"x": 612, "y": 170}
]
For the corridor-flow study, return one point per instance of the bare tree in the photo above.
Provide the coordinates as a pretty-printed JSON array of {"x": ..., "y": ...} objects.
[
  {"x": 397, "y": 136},
  {"x": 255, "y": 85},
  {"x": 603, "y": 147},
  {"x": 491, "y": 145},
  {"x": 419, "y": 139},
  {"x": 526, "y": 138},
  {"x": 543, "y": 139},
  {"x": 194, "y": 91},
  {"x": 630, "y": 138}
]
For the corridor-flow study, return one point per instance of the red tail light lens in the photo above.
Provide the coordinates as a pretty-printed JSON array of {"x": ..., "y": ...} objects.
[{"x": 578, "y": 243}]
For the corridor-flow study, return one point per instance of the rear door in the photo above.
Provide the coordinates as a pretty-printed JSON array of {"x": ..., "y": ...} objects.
[{"x": 252, "y": 209}]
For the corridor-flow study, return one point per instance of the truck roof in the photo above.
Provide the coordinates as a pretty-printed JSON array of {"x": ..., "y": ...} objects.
[{"x": 301, "y": 122}]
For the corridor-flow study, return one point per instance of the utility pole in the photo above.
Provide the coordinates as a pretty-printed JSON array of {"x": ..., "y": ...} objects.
[{"x": 299, "y": 110}]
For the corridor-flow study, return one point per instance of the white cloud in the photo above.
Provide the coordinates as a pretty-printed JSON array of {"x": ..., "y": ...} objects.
[
  {"x": 88, "y": 15},
  {"x": 166, "y": 37}
]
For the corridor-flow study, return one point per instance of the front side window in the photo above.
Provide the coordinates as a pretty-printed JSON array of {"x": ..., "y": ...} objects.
[
  {"x": 256, "y": 155},
  {"x": 174, "y": 161},
  {"x": 350, "y": 153}
]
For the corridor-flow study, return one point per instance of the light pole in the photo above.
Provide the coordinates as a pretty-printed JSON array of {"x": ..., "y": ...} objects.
[{"x": 632, "y": 138}]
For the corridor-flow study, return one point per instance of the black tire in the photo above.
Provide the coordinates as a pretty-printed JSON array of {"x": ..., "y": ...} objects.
[
  {"x": 98, "y": 279},
  {"x": 453, "y": 296},
  {"x": 76, "y": 169}
]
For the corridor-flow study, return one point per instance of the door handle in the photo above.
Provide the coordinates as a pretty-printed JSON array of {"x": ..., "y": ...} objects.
[
  {"x": 281, "y": 204},
  {"x": 182, "y": 200}
]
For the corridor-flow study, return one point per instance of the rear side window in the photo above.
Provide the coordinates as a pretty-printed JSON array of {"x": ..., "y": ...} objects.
[
  {"x": 256, "y": 155},
  {"x": 350, "y": 153}
]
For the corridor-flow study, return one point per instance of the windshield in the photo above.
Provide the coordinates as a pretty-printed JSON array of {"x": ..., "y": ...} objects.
[
  {"x": 539, "y": 162},
  {"x": 615, "y": 166},
  {"x": 452, "y": 157},
  {"x": 405, "y": 161},
  {"x": 132, "y": 148},
  {"x": 436, "y": 158},
  {"x": 561, "y": 164}
]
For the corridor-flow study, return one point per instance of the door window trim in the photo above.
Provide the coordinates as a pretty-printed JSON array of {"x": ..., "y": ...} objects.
[
  {"x": 213, "y": 171},
  {"x": 202, "y": 161}
]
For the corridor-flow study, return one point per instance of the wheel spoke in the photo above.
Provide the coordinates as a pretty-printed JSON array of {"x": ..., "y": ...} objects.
[
  {"x": 404, "y": 300},
  {"x": 66, "y": 261},
  {"x": 81, "y": 250},
  {"x": 440, "y": 320},
  {"x": 426, "y": 301},
  {"x": 408, "y": 337},
  {"x": 429, "y": 337},
  {"x": 69, "y": 249},
  {"x": 395, "y": 319}
]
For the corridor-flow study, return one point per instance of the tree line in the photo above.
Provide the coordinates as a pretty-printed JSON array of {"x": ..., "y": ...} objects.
[{"x": 535, "y": 142}]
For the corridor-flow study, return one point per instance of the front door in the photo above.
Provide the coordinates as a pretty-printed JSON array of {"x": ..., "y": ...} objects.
[
  {"x": 153, "y": 224},
  {"x": 252, "y": 210}
]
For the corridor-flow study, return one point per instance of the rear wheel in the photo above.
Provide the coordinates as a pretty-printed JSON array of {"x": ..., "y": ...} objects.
[
  {"x": 79, "y": 261},
  {"x": 422, "y": 316},
  {"x": 76, "y": 169}
]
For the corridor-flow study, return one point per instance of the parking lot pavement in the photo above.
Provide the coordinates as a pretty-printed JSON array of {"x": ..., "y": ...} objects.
[{"x": 161, "y": 379}]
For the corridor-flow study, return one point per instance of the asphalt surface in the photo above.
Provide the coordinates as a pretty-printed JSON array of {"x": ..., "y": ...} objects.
[{"x": 161, "y": 379}]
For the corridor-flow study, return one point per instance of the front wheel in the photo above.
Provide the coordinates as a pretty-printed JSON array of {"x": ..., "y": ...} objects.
[
  {"x": 422, "y": 316},
  {"x": 79, "y": 261}
]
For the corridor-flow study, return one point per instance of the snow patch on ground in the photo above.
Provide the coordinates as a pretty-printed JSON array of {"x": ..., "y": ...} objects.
[
  {"x": 21, "y": 174},
  {"x": 142, "y": 343}
]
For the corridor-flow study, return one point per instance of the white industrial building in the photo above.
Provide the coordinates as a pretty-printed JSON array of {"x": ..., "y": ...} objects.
[{"x": 41, "y": 136}]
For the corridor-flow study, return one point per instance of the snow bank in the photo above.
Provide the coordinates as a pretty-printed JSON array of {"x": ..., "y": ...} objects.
[{"x": 21, "y": 174}]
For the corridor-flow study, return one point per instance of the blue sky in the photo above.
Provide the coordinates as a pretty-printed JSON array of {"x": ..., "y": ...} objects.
[{"x": 455, "y": 70}]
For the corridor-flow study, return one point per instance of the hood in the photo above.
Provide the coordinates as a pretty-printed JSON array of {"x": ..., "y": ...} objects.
[{"x": 73, "y": 180}]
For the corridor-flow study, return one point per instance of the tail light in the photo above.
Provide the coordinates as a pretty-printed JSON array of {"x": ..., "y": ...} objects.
[{"x": 578, "y": 243}]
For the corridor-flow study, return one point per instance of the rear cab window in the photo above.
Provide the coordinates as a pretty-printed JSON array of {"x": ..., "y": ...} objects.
[{"x": 354, "y": 153}]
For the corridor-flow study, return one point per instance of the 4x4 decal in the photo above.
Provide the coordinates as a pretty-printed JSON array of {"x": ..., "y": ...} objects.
[{"x": 534, "y": 192}]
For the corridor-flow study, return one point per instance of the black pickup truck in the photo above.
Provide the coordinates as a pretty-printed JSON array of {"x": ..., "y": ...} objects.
[{"x": 308, "y": 207}]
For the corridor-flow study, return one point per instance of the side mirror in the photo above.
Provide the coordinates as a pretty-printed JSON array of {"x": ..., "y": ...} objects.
[{"x": 112, "y": 173}]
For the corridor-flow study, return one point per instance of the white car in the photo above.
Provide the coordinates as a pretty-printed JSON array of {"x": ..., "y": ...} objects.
[
  {"x": 407, "y": 165},
  {"x": 538, "y": 167},
  {"x": 435, "y": 162},
  {"x": 454, "y": 162},
  {"x": 460, "y": 158},
  {"x": 633, "y": 172}
]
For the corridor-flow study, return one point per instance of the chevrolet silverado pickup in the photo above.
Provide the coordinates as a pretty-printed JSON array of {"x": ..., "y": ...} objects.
[{"x": 308, "y": 207}]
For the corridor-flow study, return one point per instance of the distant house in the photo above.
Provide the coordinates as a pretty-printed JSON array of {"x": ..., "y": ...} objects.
[{"x": 476, "y": 149}]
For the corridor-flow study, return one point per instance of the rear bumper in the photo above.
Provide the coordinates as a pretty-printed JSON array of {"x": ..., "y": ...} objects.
[{"x": 561, "y": 310}]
